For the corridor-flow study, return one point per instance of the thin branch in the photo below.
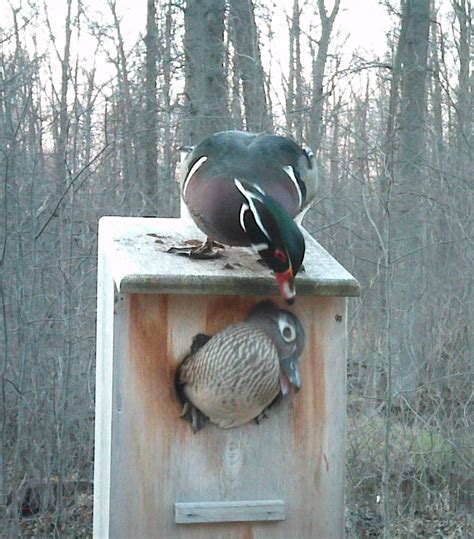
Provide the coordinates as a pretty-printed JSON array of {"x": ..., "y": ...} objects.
[{"x": 70, "y": 184}]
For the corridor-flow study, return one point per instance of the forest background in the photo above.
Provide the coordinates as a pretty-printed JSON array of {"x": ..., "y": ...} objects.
[{"x": 92, "y": 114}]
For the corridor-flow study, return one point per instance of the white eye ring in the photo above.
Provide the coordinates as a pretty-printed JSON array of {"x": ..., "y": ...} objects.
[{"x": 286, "y": 331}]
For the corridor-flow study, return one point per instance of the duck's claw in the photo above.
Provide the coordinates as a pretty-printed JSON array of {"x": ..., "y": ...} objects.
[
  {"x": 198, "y": 419},
  {"x": 261, "y": 415},
  {"x": 205, "y": 251},
  {"x": 194, "y": 416}
]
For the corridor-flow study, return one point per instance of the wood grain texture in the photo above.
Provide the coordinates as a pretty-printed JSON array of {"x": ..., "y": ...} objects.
[
  {"x": 239, "y": 511},
  {"x": 296, "y": 455},
  {"x": 136, "y": 248}
]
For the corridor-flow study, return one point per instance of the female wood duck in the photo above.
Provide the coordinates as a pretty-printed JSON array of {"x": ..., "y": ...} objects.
[
  {"x": 232, "y": 377},
  {"x": 246, "y": 189}
]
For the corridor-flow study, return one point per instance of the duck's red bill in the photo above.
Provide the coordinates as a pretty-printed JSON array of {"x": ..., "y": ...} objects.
[{"x": 286, "y": 285}]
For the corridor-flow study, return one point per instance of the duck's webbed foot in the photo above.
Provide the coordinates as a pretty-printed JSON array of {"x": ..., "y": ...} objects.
[
  {"x": 194, "y": 416},
  {"x": 205, "y": 251}
]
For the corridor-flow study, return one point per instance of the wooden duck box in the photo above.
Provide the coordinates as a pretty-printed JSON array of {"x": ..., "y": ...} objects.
[{"x": 155, "y": 478}]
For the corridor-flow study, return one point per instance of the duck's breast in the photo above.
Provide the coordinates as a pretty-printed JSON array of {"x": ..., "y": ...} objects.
[
  {"x": 234, "y": 376},
  {"x": 214, "y": 204}
]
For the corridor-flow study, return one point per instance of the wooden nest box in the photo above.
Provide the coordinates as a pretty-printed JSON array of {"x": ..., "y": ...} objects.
[{"x": 154, "y": 478}]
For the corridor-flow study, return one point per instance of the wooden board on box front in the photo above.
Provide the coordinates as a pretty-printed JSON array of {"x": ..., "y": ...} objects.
[{"x": 296, "y": 455}]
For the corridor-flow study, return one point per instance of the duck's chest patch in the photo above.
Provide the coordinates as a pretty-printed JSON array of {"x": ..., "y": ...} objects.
[{"x": 215, "y": 205}]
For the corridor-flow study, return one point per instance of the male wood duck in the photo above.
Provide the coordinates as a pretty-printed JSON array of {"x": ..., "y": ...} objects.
[
  {"x": 232, "y": 377},
  {"x": 246, "y": 189}
]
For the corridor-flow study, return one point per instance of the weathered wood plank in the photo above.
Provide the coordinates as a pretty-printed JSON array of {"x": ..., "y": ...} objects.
[
  {"x": 295, "y": 455},
  {"x": 238, "y": 511},
  {"x": 137, "y": 249}
]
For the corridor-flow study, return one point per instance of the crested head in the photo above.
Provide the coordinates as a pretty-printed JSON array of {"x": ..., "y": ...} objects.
[{"x": 273, "y": 234}]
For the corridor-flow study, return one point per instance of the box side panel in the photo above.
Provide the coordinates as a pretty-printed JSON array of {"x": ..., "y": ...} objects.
[{"x": 103, "y": 404}]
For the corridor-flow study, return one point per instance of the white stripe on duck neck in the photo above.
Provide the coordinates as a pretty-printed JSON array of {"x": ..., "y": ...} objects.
[
  {"x": 291, "y": 173},
  {"x": 250, "y": 197},
  {"x": 243, "y": 209},
  {"x": 193, "y": 171}
]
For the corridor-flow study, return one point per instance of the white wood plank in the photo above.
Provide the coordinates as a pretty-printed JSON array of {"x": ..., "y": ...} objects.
[
  {"x": 137, "y": 250},
  {"x": 237, "y": 511},
  {"x": 103, "y": 401}
]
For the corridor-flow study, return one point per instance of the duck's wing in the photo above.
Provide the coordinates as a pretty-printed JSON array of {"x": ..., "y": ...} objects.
[
  {"x": 284, "y": 164},
  {"x": 221, "y": 151}
]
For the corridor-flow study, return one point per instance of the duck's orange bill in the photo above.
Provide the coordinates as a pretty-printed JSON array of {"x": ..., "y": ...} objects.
[{"x": 286, "y": 285}]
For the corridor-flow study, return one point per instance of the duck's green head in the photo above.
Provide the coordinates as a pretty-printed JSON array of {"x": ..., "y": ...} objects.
[{"x": 273, "y": 234}]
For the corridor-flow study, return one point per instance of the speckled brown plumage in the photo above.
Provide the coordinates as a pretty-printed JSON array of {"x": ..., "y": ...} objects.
[{"x": 236, "y": 374}]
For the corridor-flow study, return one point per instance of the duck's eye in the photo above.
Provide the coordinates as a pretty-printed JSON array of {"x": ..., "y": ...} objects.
[
  {"x": 287, "y": 332},
  {"x": 280, "y": 255}
]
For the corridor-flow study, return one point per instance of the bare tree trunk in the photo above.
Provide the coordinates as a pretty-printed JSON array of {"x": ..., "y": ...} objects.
[
  {"x": 61, "y": 141},
  {"x": 465, "y": 100},
  {"x": 150, "y": 187},
  {"x": 405, "y": 232},
  {"x": 128, "y": 129},
  {"x": 205, "y": 86},
  {"x": 171, "y": 196},
  {"x": 319, "y": 67},
  {"x": 249, "y": 64},
  {"x": 465, "y": 131},
  {"x": 294, "y": 101},
  {"x": 436, "y": 95},
  {"x": 298, "y": 133},
  {"x": 408, "y": 201},
  {"x": 290, "y": 91},
  {"x": 236, "y": 97},
  {"x": 88, "y": 116}
]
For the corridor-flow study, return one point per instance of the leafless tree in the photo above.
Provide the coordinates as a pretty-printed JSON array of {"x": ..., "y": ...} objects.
[
  {"x": 205, "y": 90},
  {"x": 151, "y": 107},
  {"x": 319, "y": 71},
  {"x": 249, "y": 64}
]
